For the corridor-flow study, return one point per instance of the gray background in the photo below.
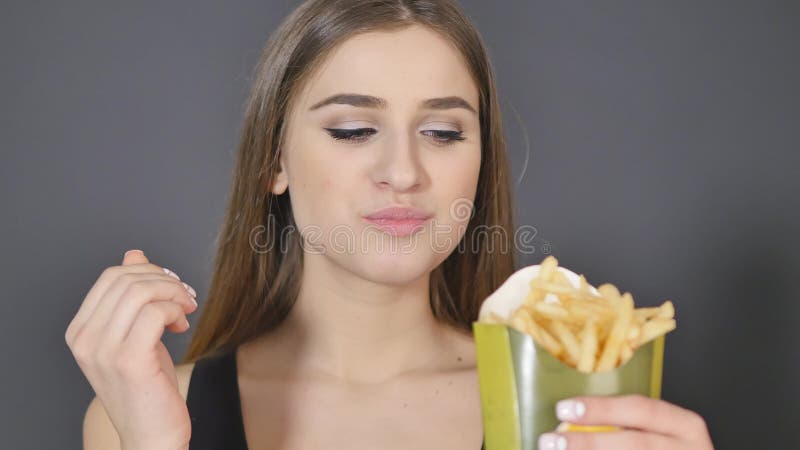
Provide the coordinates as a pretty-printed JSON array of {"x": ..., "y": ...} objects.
[{"x": 663, "y": 158}]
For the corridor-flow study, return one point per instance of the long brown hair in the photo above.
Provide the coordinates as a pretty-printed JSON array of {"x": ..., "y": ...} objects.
[{"x": 252, "y": 291}]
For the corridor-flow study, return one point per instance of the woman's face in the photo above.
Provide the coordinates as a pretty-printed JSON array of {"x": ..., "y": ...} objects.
[{"x": 405, "y": 148}]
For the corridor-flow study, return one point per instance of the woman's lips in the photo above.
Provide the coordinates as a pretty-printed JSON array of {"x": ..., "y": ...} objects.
[
  {"x": 399, "y": 220},
  {"x": 398, "y": 227}
]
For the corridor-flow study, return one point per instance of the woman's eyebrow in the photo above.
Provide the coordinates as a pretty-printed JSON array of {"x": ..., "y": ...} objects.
[{"x": 369, "y": 101}]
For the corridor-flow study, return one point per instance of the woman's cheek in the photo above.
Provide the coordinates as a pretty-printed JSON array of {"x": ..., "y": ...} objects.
[
  {"x": 454, "y": 189},
  {"x": 460, "y": 186},
  {"x": 312, "y": 184}
]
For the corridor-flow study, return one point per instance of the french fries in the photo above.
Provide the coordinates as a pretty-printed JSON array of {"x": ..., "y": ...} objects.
[{"x": 590, "y": 329}]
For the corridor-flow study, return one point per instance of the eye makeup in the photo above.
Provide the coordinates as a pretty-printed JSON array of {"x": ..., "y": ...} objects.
[{"x": 439, "y": 137}]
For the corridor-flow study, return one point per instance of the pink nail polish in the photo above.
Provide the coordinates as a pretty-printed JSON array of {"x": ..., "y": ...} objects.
[
  {"x": 171, "y": 273},
  {"x": 189, "y": 288},
  {"x": 568, "y": 410},
  {"x": 552, "y": 441}
]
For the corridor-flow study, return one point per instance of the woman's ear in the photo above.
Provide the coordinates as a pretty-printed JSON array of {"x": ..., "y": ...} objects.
[{"x": 281, "y": 181}]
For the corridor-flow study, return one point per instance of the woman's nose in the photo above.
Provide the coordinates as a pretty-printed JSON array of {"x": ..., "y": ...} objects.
[{"x": 399, "y": 166}]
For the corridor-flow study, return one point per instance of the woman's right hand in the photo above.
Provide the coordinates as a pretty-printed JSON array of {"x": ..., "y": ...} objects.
[{"x": 115, "y": 338}]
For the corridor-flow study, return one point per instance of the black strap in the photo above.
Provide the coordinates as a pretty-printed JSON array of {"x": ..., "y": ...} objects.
[{"x": 214, "y": 404}]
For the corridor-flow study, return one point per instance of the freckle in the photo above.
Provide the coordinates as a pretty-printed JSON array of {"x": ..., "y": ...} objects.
[
  {"x": 405, "y": 405},
  {"x": 437, "y": 392},
  {"x": 459, "y": 358},
  {"x": 450, "y": 382}
]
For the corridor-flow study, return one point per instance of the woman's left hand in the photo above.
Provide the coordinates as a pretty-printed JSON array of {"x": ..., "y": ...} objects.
[{"x": 648, "y": 424}]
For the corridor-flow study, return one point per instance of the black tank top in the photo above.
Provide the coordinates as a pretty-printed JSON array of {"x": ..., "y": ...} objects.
[{"x": 214, "y": 404}]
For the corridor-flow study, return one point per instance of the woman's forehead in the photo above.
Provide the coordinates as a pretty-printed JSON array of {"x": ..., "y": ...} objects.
[{"x": 404, "y": 67}]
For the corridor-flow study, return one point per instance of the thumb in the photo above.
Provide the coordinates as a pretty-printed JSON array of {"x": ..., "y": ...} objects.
[{"x": 134, "y": 257}]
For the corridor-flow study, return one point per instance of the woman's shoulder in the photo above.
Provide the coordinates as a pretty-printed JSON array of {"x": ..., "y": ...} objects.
[{"x": 183, "y": 373}]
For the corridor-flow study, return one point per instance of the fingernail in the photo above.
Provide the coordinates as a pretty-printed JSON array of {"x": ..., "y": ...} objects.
[
  {"x": 189, "y": 288},
  {"x": 568, "y": 410},
  {"x": 552, "y": 441},
  {"x": 187, "y": 323},
  {"x": 133, "y": 251},
  {"x": 171, "y": 273}
]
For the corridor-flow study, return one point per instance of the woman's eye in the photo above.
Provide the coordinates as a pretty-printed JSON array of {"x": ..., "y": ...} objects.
[
  {"x": 442, "y": 137},
  {"x": 351, "y": 134},
  {"x": 445, "y": 137}
]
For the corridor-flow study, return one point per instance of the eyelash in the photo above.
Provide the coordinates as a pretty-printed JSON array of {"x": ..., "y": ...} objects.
[{"x": 442, "y": 137}]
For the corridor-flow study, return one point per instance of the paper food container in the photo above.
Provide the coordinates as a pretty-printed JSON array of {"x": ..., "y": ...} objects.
[{"x": 520, "y": 382}]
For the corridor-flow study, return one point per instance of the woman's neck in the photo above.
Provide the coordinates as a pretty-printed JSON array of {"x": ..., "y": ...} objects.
[{"x": 354, "y": 330}]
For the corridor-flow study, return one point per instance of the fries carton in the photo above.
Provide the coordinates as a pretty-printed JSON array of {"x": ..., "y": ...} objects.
[{"x": 521, "y": 381}]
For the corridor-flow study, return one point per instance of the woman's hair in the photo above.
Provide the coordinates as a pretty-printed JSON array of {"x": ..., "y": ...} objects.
[{"x": 253, "y": 290}]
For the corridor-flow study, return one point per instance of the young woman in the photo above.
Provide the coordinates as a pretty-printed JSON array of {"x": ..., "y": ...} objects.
[{"x": 352, "y": 261}]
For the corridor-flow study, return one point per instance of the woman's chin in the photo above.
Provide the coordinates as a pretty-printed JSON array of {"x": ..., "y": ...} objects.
[{"x": 396, "y": 269}]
